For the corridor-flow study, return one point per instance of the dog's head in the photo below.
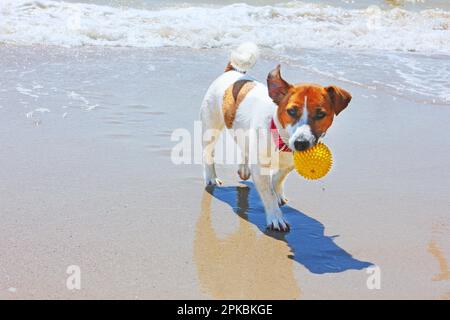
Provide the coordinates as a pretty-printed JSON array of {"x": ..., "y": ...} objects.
[{"x": 306, "y": 111}]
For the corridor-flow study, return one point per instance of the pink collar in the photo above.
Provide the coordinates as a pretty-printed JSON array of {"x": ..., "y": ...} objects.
[{"x": 279, "y": 143}]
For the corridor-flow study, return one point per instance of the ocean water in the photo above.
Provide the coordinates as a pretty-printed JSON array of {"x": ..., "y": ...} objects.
[
  {"x": 401, "y": 47},
  {"x": 408, "y": 4}
]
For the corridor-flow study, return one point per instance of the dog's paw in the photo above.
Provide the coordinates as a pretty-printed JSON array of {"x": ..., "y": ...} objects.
[
  {"x": 276, "y": 223},
  {"x": 214, "y": 182}
]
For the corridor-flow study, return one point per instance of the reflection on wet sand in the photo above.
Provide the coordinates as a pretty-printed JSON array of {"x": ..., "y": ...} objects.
[
  {"x": 436, "y": 251},
  {"x": 249, "y": 266},
  {"x": 244, "y": 265},
  {"x": 440, "y": 230},
  {"x": 309, "y": 245}
]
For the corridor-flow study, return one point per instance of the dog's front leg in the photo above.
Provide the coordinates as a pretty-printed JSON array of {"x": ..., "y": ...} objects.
[
  {"x": 278, "y": 183},
  {"x": 263, "y": 183}
]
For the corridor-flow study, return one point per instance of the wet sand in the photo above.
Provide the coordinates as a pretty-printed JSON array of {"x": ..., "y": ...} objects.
[{"x": 86, "y": 179}]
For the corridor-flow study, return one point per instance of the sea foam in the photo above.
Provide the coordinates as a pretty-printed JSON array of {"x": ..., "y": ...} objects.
[{"x": 290, "y": 25}]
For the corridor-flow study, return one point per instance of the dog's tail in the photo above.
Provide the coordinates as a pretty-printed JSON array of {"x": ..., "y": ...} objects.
[{"x": 243, "y": 58}]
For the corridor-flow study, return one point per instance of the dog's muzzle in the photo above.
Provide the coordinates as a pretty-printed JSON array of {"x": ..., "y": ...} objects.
[{"x": 301, "y": 145}]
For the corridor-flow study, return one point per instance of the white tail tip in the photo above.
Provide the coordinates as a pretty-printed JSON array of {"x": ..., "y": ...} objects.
[{"x": 244, "y": 57}]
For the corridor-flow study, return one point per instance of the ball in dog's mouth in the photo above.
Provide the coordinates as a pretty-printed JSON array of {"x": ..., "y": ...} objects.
[{"x": 313, "y": 163}]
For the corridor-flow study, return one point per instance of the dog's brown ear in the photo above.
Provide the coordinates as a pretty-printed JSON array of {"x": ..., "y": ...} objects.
[
  {"x": 339, "y": 98},
  {"x": 278, "y": 88}
]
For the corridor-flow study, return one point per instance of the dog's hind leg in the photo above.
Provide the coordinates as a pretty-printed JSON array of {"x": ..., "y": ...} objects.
[
  {"x": 244, "y": 171},
  {"x": 242, "y": 140},
  {"x": 212, "y": 127}
]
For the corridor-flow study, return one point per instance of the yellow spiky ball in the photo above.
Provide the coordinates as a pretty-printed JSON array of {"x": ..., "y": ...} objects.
[{"x": 313, "y": 163}]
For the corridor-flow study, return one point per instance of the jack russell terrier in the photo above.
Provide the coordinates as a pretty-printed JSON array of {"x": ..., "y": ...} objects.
[{"x": 287, "y": 117}]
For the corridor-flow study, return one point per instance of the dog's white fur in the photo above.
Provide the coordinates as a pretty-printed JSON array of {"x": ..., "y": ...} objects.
[{"x": 255, "y": 114}]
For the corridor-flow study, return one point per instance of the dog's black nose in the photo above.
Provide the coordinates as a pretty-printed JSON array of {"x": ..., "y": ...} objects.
[{"x": 301, "y": 145}]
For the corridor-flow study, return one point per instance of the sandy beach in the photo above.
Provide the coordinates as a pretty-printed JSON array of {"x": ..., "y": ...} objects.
[
  {"x": 87, "y": 180},
  {"x": 91, "y": 93}
]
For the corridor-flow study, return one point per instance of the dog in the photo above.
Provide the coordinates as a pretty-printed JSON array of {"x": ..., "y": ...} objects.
[{"x": 288, "y": 117}]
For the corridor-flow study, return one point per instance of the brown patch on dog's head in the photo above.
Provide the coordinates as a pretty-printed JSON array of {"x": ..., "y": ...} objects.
[{"x": 323, "y": 103}]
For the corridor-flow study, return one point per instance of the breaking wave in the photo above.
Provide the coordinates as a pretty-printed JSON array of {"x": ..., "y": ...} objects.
[{"x": 289, "y": 25}]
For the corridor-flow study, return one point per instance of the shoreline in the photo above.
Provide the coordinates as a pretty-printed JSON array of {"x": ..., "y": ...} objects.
[{"x": 409, "y": 86}]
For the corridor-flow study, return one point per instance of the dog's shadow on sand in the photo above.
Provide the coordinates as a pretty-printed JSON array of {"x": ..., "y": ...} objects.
[{"x": 306, "y": 239}]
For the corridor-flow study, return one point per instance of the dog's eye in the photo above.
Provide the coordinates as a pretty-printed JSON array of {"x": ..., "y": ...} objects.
[
  {"x": 292, "y": 111},
  {"x": 319, "y": 115}
]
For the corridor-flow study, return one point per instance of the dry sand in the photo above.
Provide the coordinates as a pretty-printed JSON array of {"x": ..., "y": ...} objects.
[{"x": 91, "y": 183}]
